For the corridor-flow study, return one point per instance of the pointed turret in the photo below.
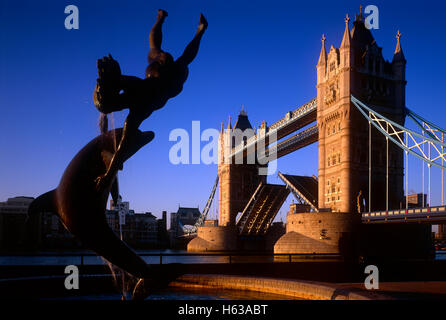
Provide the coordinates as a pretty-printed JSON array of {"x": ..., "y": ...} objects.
[
  {"x": 243, "y": 112},
  {"x": 322, "y": 63},
  {"x": 398, "y": 55},
  {"x": 360, "y": 16},
  {"x": 399, "y": 66},
  {"x": 229, "y": 123},
  {"x": 360, "y": 35},
  {"x": 323, "y": 56},
  {"x": 346, "y": 38},
  {"x": 242, "y": 122}
]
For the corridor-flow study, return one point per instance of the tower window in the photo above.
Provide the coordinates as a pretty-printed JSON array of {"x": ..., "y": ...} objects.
[{"x": 332, "y": 66}]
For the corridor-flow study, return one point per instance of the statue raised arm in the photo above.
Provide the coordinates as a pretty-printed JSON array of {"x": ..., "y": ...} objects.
[{"x": 164, "y": 79}]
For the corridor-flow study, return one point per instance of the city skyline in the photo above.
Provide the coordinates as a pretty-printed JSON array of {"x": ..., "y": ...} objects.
[{"x": 49, "y": 75}]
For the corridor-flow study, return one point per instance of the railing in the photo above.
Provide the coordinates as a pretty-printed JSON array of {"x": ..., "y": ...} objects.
[
  {"x": 400, "y": 213},
  {"x": 244, "y": 257},
  {"x": 298, "y": 113}
]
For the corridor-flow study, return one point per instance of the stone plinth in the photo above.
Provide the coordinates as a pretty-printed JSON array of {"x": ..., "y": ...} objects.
[
  {"x": 322, "y": 232},
  {"x": 211, "y": 238}
]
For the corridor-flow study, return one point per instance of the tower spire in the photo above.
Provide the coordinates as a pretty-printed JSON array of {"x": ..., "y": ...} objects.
[
  {"x": 243, "y": 112},
  {"x": 346, "y": 38},
  {"x": 360, "y": 16},
  {"x": 229, "y": 123},
  {"x": 323, "y": 55},
  {"x": 398, "y": 55}
]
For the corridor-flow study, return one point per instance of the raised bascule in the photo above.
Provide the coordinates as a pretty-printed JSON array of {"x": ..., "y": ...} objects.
[{"x": 358, "y": 120}]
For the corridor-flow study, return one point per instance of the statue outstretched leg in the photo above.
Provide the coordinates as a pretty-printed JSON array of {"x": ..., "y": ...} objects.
[{"x": 191, "y": 50}]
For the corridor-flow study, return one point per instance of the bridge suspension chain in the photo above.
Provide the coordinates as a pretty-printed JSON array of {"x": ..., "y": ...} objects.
[
  {"x": 410, "y": 141},
  {"x": 434, "y": 132},
  {"x": 430, "y": 128}
]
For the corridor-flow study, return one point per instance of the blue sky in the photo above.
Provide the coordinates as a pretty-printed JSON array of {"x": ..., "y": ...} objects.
[{"x": 261, "y": 54}]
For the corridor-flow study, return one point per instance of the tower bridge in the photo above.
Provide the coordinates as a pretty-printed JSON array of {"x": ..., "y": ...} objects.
[{"x": 358, "y": 120}]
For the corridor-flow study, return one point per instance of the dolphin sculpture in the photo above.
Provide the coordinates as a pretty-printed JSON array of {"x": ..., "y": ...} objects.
[{"x": 81, "y": 207}]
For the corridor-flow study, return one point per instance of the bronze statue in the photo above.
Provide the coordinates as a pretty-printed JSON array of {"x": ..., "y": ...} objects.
[
  {"x": 81, "y": 197},
  {"x": 164, "y": 80},
  {"x": 81, "y": 207}
]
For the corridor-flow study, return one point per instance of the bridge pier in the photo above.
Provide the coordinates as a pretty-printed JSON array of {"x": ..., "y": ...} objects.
[
  {"x": 320, "y": 232},
  {"x": 214, "y": 238}
]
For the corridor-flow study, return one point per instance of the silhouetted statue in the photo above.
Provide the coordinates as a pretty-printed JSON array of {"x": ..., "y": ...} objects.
[
  {"x": 81, "y": 207},
  {"x": 359, "y": 201},
  {"x": 80, "y": 199},
  {"x": 164, "y": 80}
]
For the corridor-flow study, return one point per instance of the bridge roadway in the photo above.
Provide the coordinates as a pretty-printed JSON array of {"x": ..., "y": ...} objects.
[
  {"x": 291, "y": 122},
  {"x": 432, "y": 215}
]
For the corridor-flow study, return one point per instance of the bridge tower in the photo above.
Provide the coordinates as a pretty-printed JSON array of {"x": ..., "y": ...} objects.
[
  {"x": 237, "y": 182},
  {"x": 357, "y": 67}
]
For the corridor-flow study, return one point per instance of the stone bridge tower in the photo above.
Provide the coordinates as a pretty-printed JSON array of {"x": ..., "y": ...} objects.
[
  {"x": 237, "y": 182},
  {"x": 357, "y": 67}
]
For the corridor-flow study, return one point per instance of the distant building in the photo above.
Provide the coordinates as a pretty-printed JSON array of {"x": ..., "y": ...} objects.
[
  {"x": 45, "y": 230},
  {"x": 142, "y": 230},
  {"x": 13, "y": 218},
  {"x": 163, "y": 235},
  {"x": 184, "y": 216},
  {"x": 53, "y": 233},
  {"x": 416, "y": 200},
  {"x": 441, "y": 234}
]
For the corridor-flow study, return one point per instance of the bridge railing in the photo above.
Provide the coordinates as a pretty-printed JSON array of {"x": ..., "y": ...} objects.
[
  {"x": 404, "y": 212},
  {"x": 296, "y": 114}
]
